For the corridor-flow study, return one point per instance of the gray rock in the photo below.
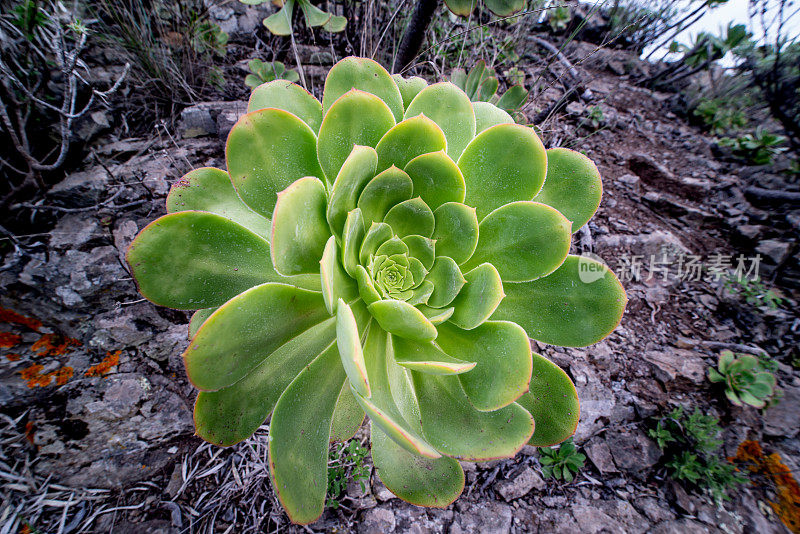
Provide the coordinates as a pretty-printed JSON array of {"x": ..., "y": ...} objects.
[
  {"x": 377, "y": 521},
  {"x": 632, "y": 450},
  {"x": 488, "y": 517},
  {"x": 74, "y": 230},
  {"x": 210, "y": 119},
  {"x": 655, "y": 510},
  {"x": 380, "y": 491},
  {"x": 520, "y": 485},
  {"x": 775, "y": 251},
  {"x": 630, "y": 180},
  {"x": 592, "y": 520},
  {"x": 783, "y": 420},
  {"x": 598, "y": 452},
  {"x": 677, "y": 364},
  {"x": 684, "y": 526}
]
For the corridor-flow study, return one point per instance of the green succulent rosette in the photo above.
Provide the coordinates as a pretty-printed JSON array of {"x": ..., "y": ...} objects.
[{"x": 389, "y": 252}]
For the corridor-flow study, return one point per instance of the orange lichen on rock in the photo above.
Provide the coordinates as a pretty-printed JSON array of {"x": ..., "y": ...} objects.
[
  {"x": 54, "y": 345},
  {"x": 787, "y": 491},
  {"x": 36, "y": 379},
  {"x": 13, "y": 357},
  {"x": 63, "y": 375},
  {"x": 12, "y": 317},
  {"x": 8, "y": 340},
  {"x": 104, "y": 367},
  {"x": 30, "y": 432}
]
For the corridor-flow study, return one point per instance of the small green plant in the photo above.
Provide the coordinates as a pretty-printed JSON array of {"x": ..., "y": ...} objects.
[
  {"x": 481, "y": 85},
  {"x": 595, "y": 116},
  {"x": 757, "y": 148},
  {"x": 280, "y": 23},
  {"x": 746, "y": 379},
  {"x": 562, "y": 462},
  {"x": 720, "y": 115},
  {"x": 341, "y": 241},
  {"x": 753, "y": 291},
  {"x": 691, "y": 447},
  {"x": 207, "y": 37},
  {"x": 558, "y": 18},
  {"x": 346, "y": 463},
  {"x": 262, "y": 72}
]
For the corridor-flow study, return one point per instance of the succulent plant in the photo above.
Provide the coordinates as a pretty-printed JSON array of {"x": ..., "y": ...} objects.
[
  {"x": 563, "y": 462},
  {"x": 280, "y": 23},
  {"x": 501, "y": 8},
  {"x": 387, "y": 251},
  {"x": 262, "y": 72},
  {"x": 746, "y": 380},
  {"x": 481, "y": 85}
]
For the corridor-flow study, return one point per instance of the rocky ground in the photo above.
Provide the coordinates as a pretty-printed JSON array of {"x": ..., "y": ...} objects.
[{"x": 96, "y": 422}]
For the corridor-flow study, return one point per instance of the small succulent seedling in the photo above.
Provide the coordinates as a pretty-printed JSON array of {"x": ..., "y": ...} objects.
[
  {"x": 280, "y": 23},
  {"x": 561, "y": 462},
  {"x": 387, "y": 251},
  {"x": 501, "y": 8},
  {"x": 481, "y": 85},
  {"x": 745, "y": 378},
  {"x": 262, "y": 72}
]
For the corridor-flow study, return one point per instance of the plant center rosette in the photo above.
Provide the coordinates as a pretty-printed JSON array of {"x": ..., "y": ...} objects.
[{"x": 386, "y": 252}]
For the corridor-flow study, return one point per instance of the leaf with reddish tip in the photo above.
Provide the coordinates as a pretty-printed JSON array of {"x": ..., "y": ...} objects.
[
  {"x": 299, "y": 228},
  {"x": 504, "y": 8},
  {"x": 553, "y": 402},
  {"x": 479, "y": 297},
  {"x": 427, "y": 358},
  {"x": 502, "y": 164},
  {"x": 437, "y": 179},
  {"x": 455, "y": 231},
  {"x": 523, "y": 240},
  {"x": 573, "y": 186},
  {"x": 407, "y": 140},
  {"x": 502, "y": 353},
  {"x": 288, "y": 96},
  {"x": 197, "y": 320},
  {"x": 577, "y": 305},
  {"x": 366, "y": 75},
  {"x": 267, "y": 150},
  {"x": 246, "y": 330},
  {"x": 462, "y": 8},
  {"x": 300, "y": 435},
  {"x": 348, "y": 340},
  {"x": 356, "y": 118},
  {"x": 193, "y": 259},
  {"x": 210, "y": 189},
  {"x": 456, "y": 429},
  {"x": 450, "y": 108},
  {"x": 415, "y": 479},
  {"x": 234, "y": 413},
  {"x": 402, "y": 319}
]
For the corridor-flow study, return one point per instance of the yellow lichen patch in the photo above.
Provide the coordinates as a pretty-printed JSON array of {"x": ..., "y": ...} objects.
[
  {"x": 63, "y": 375},
  {"x": 8, "y": 340},
  {"x": 35, "y": 378},
  {"x": 54, "y": 345},
  {"x": 12, "y": 317},
  {"x": 104, "y": 367},
  {"x": 787, "y": 491},
  {"x": 13, "y": 357}
]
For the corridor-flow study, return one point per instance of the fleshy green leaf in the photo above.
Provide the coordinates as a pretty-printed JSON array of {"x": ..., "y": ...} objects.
[
  {"x": 479, "y": 297},
  {"x": 415, "y": 479},
  {"x": 352, "y": 238},
  {"x": 336, "y": 284},
  {"x": 377, "y": 235},
  {"x": 314, "y": 16},
  {"x": 421, "y": 248},
  {"x": 390, "y": 187},
  {"x": 450, "y": 108},
  {"x": 502, "y": 164},
  {"x": 573, "y": 186},
  {"x": 383, "y": 408},
  {"x": 462, "y": 8},
  {"x": 455, "y": 428},
  {"x": 488, "y": 115},
  {"x": 210, "y": 189},
  {"x": 197, "y": 320},
  {"x": 299, "y": 437},
  {"x": 513, "y": 99},
  {"x": 348, "y": 340},
  {"x": 427, "y": 358},
  {"x": 523, "y": 240},
  {"x": 402, "y": 319},
  {"x": 267, "y": 150},
  {"x": 474, "y": 78},
  {"x": 357, "y": 170},
  {"x": 504, "y": 8},
  {"x": 366, "y": 288},
  {"x": 553, "y": 402},
  {"x": 436, "y": 316},
  {"x": 456, "y": 231},
  {"x": 193, "y": 259},
  {"x": 447, "y": 281},
  {"x": 288, "y": 96},
  {"x": 365, "y": 75},
  {"x": 502, "y": 352},
  {"x": 410, "y": 217},
  {"x": 407, "y": 140},
  {"x": 299, "y": 228},
  {"x": 347, "y": 417},
  {"x": 409, "y": 87},
  {"x": 232, "y": 414},
  {"x": 562, "y": 309},
  {"x": 280, "y": 23},
  {"x": 356, "y": 118},
  {"x": 246, "y": 330},
  {"x": 437, "y": 179}
]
